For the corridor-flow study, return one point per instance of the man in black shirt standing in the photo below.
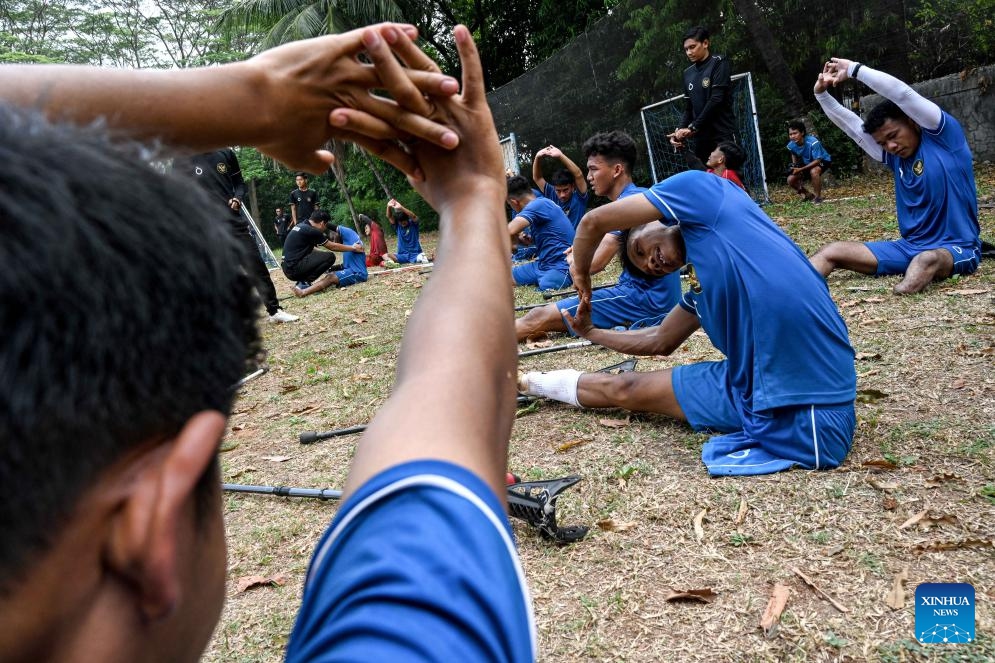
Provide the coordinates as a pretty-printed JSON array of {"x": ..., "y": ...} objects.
[
  {"x": 282, "y": 223},
  {"x": 303, "y": 201},
  {"x": 708, "y": 116},
  {"x": 219, "y": 174}
]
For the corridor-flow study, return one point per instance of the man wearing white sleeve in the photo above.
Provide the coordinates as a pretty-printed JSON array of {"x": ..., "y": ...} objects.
[{"x": 935, "y": 194}]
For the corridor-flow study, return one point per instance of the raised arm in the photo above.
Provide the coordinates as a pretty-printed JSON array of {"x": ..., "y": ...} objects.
[
  {"x": 537, "y": 169},
  {"x": 920, "y": 110},
  {"x": 628, "y": 212},
  {"x": 845, "y": 119},
  {"x": 193, "y": 107},
  {"x": 454, "y": 396}
]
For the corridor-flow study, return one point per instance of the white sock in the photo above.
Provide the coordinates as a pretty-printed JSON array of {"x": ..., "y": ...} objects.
[{"x": 559, "y": 385}]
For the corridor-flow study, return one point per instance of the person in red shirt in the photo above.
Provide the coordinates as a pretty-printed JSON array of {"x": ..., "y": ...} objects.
[
  {"x": 378, "y": 245},
  {"x": 725, "y": 161}
]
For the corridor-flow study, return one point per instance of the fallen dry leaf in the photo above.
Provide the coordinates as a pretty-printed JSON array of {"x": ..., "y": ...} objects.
[
  {"x": 246, "y": 583},
  {"x": 937, "y": 480},
  {"x": 535, "y": 345},
  {"x": 277, "y": 459},
  {"x": 896, "y": 597},
  {"x": 883, "y": 486},
  {"x": 879, "y": 464},
  {"x": 874, "y": 300},
  {"x": 772, "y": 613},
  {"x": 967, "y": 291},
  {"x": 867, "y": 355},
  {"x": 954, "y": 544},
  {"x": 570, "y": 444},
  {"x": 699, "y": 530},
  {"x": 611, "y": 525},
  {"x": 927, "y": 520},
  {"x": 741, "y": 513},
  {"x": 359, "y": 321},
  {"x": 237, "y": 427},
  {"x": 959, "y": 383},
  {"x": 287, "y": 387},
  {"x": 704, "y": 595},
  {"x": 870, "y": 395},
  {"x": 614, "y": 423},
  {"x": 310, "y": 407},
  {"x": 811, "y": 583},
  {"x": 889, "y": 503}
]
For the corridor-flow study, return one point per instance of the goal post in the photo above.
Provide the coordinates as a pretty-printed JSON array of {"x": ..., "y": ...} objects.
[
  {"x": 663, "y": 117},
  {"x": 509, "y": 151}
]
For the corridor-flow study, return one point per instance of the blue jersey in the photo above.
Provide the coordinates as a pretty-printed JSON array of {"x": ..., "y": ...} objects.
[
  {"x": 418, "y": 565},
  {"x": 665, "y": 290},
  {"x": 935, "y": 195},
  {"x": 551, "y": 233},
  {"x": 758, "y": 297},
  {"x": 809, "y": 151},
  {"x": 407, "y": 238},
  {"x": 574, "y": 207},
  {"x": 350, "y": 260}
]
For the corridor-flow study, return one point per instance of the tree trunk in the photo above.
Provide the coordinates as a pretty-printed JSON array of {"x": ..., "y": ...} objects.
[
  {"x": 254, "y": 201},
  {"x": 764, "y": 41},
  {"x": 339, "y": 174}
]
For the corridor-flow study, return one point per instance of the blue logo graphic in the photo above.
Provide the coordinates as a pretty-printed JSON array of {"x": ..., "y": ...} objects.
[{"x": 945, "y": 613}]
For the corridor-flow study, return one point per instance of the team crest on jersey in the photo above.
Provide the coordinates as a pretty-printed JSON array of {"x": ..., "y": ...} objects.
[
  {"x": 918, "y": 167},
  {"x": 693, "y": 281},
  {"x": 223, "y": 168},
  {"x": 705, "y": 82}
]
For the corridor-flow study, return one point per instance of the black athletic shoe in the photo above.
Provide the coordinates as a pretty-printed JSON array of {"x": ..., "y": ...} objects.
[{"x": 987, "y": 250}]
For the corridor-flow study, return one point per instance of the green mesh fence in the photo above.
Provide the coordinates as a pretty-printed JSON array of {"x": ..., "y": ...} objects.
[{"x": 663, "y": 117}]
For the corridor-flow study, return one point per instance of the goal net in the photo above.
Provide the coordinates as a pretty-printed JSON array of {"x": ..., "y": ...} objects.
[{"x": 663, "y": 117}]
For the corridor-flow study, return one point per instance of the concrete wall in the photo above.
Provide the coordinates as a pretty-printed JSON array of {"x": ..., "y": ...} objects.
[{"x": 968, "y": 97}]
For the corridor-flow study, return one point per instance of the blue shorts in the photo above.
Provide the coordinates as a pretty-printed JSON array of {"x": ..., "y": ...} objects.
[
  {"x": 894, "y": 257},
  {"x": 550, "y": 279},
  {"x": 814, "y": 437},
  {"x": 407, "y": 257},
  {"x": 418, "y": 565},
  {"x": 351, "y": 277},
  {"x": 619, "y": 306}
]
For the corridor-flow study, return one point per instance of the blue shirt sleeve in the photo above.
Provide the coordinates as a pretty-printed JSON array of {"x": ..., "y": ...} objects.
[{"x": 419, "y": 565}]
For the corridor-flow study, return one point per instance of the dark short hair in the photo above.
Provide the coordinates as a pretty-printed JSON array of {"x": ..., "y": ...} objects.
[
  {"x": 321, "y": 216},
  {"x": 399, "y": 215},
  {"x": 623, "y": 254},
  {"x": 797, "y": 125},
  {"x": 106, "y": 347},
  {"x": 734, "y": 154},
  {"x": 301, "y": 173},
  {"x": 615, "y": 146},
  {"x": 884, "y": 111},
  {"x": 561, "y": 177},
  {"x": 518, "y": 186},
  {"x": 698, "y": 33}
]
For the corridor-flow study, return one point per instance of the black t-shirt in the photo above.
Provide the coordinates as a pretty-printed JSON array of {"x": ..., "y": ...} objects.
[
  {"x": 708, "y": 95},
  {"x": 219, "y": 174},
  {"x": 305, "y": 202},
  {"x": 300, "y": 242},
  {"x": 282, "y": 222}
]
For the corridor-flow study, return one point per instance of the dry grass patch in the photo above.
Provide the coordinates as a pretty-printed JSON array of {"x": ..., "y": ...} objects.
[{"x": 925, "y": 442}]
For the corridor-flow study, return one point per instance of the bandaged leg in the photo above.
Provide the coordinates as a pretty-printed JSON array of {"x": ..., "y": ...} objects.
[{"x": 559, "y": 385}]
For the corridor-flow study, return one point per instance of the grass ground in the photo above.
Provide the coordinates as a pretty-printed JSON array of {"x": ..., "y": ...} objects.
[{"x": 925, "y": 442}]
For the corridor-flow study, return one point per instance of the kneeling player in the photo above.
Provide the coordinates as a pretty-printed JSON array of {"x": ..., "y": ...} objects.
[{"x": 303, "y": 264}]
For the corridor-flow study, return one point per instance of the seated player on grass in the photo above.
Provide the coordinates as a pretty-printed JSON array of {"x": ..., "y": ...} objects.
[
  {"x": 567, "y": 187},
  {"x": 313, "y": 270},
  {"x": 119, "y": 381},
  {"x": 374, "y": 235},
  {"x": 935, "y": 195},
  {"x": 638, "y": 299},
  {"x": 726, "y": 160},
  {"x": 551, "y": 233},
  {"x": 408, "y": 241},
  {"x": 809, "y": 160},
  {"x": 784, "y": 395}
]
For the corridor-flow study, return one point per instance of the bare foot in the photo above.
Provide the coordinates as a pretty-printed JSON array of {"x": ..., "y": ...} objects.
[{"x": 297, "y": 291}]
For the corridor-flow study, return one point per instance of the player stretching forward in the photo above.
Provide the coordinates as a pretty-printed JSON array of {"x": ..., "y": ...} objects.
[
  {"x": 638, "y": 299},
  {"x": 784, "y": 395},
  {"x": 935, "y": 195}
]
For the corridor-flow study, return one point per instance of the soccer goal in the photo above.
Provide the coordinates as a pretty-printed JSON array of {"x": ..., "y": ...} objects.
[
  {"x": 663, "y": 117},
  {"x": 509, "y": 150},
  {"x": 265, "y": 253}
]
